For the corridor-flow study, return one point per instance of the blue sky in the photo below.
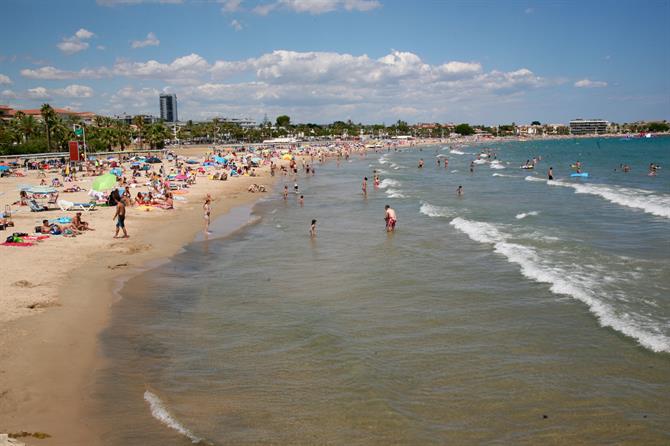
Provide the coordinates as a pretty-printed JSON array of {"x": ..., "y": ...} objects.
[{"x": 323, "y": 60}]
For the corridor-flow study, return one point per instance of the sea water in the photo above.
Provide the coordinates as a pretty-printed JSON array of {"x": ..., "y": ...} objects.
[{"x": 525, "y": 311}]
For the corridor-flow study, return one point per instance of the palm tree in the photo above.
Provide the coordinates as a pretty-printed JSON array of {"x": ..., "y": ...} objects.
[
  {"x": 138, "y": 121},
  {"x": 121, "y": 134},
  {"x": 49, "y": 117},
  {"x": 156, "y": 135}
]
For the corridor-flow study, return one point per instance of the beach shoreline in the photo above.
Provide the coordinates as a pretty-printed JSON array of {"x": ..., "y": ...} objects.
[{"x": 50, "y": 358}]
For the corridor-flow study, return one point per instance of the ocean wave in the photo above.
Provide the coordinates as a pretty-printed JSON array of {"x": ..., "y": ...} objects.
[
  {"x": 526, "y": 214},
  {"x": 456, "y": 152},
  {"x": 536, "y": 179},
  {"x": 383, "y": 159},
  {"x": 496, "y": 165},
  {"x": 434, "y": 211},
  {"x": 658, "y": 205},
  {"x": 393, "y": 193},
  {"x": 566, "y": 280},
  {"x": 502, "y": 175},
  {"x": 160, "y": 412},
  {"x": 396, "y": 166},
  {"x": 388, "y": 182},
  {"x": 480, "y": 161}
]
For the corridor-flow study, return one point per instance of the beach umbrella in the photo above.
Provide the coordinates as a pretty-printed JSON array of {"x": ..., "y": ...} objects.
[
  {"x": 104, "y": 182},
  {"x": 116, "y": 171}
]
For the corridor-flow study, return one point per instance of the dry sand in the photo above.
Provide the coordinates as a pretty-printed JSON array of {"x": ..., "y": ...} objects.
[{"x": 55, "y": 298}]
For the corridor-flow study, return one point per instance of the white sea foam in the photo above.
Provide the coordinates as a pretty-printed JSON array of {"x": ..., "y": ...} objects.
[
  {"x": 383, "y": 159},
  {"x": 396, "y": 166},
  {"x": 456, "y": 152},
  {"x": 526, "y": 214},
  {"x": 388, "y": 182},
  {"x": 160, "y": 412},
  {"x": 454, "y": 171},
  {"x": 536, "y": 179},
  {"x": 570, "y": 281},
  {"x": 480, "y": 161},
  {"x": 502, "y": 175},
  {"x": 649, "y": 202},
  {"x": 496, "y": 165},
  {"x": 393, "y": 193},
  {"x": 434, "y": 211}
]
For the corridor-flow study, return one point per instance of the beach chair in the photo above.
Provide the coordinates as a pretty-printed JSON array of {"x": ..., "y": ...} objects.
[
  {"x": 65, "y": 205},
  {"x": 35, "y": 207}
]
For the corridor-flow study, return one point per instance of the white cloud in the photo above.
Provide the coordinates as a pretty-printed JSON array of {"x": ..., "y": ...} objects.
[
  {"x": 231, "y": 6},
  {"x": 8, "y": 94},
  {"x": 53, "y": 73},
  {"x": 101, "y": 47},
  {"x": 151, "y": 40},
  {"x": 186, "y": 69},
  {"x": 74, "y": 91},
  {"x": 236, "y": 25},
  {"x": 83, "y": 34},
  {"x": 76, "y": 43},
  {"x": 529, "y": 10},
  {"x": 587, "y": 83},
  {"x": 38, "y": 93},
  {"x": 317, "y": 6},
  {"x": 4, "y": 79}
]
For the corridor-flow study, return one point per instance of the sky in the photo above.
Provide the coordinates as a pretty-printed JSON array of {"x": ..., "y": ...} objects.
[{"x": 371, "y": 61}]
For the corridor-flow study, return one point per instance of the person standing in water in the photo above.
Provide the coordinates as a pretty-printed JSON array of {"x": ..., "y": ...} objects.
[
  {"x": 421, "y": 163},
  {"x": 459, "y": 191},
  {"x": 550, "y": 173},
  {"x": 302, "y": 200},
  {"x": 364, "y": 186},
  {"x": 207, "y": 208},
  {"x": 312, "y": 229},
  {"x": 390, "y": 218},
  {"x": 285, "y": 193}
]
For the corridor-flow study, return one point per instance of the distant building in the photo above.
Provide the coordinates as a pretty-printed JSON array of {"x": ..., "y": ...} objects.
[
  {"x": 588, "y": 126},
  {"x": 128, "y": 119},
  {"x": 168, "y": 105},
  {"x": 245, "y": 123},
  {"x": 7, "y": 112}
]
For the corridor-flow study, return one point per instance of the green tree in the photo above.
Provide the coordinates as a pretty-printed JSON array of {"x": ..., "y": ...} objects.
[
  {"x": 283, "y": 121},
  {"x": 156, "y": 134},
  {"x": 658, "y": 127},
  {"x": 464, "y": 129},
  {"x": 49, "y": 118},
  {"x": 138, "y": 121},
  {"x": 535, "y": 123}
]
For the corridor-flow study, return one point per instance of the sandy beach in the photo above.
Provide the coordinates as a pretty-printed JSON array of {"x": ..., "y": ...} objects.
[{"x": 58, "y": 294}]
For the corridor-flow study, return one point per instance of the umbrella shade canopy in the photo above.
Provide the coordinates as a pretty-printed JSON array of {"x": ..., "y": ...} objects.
[
  {"x": 104, "y": 182},
  {"x": 287, "y": 157},
  {"x": 116, "y": 171},
  {"x": 256, "y": 160},
  {"x": 39, "y": 189}
]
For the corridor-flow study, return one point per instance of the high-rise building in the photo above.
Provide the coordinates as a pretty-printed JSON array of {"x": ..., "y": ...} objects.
[
  {"x": 168, "y": 103},
  {"x": 588, "y": 126}
]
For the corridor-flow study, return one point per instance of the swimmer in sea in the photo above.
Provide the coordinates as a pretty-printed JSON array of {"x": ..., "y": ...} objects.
[
  {"x": 364, "y": 186},
  {"x": 550, "y": 173},
  {"x": 420, "y": 163},
  {"x": 376, "y": 181},
  {"x": 459, "y": 191},
  {"x": 390, "y": 218},
  {"x": 312, "y": 229},
  {"x": 302, "y": 200},
  {"x": 472, "y": 167},
  {"x": 285, "y": 193}
]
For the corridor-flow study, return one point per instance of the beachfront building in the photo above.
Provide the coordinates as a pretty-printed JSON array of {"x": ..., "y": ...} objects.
[
  {"x": 168, "y": 106},
  {"x": 128, "y": 119},
  {"x": 588, "y": 126},
  {"x": 7, "y": 112},
  {"x": 245, "y": 123}
]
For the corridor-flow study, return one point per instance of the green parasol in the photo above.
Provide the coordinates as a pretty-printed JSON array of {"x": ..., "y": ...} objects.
[{"x": 104, "y": 182}]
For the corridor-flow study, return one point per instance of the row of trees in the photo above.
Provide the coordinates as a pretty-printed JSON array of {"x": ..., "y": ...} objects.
[{"x": 27, "y": 134}]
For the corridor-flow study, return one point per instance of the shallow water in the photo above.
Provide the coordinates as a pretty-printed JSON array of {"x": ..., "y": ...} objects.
[{"x": 523, "y": 312}]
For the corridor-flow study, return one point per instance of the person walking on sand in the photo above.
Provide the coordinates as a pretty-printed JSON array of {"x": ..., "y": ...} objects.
[
  {"x": 390, "y": 218},
  {"x": 120, "y": 217},
  {"x": 364, "y": 186},
  {"x": 207, "y": 208}
]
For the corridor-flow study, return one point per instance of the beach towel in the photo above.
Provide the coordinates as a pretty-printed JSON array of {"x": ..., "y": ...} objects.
[{"x": 17, "y": 244}]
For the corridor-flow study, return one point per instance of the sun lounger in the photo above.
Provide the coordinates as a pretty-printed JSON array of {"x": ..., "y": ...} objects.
[
  {"x": 65, "y": 205},
  {"x": 35, "y": 207}
]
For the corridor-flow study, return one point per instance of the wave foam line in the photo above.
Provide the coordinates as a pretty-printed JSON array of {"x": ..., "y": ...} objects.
[
  {"x": 533, "y": 267},
  {"x": 496, "y": 165},
  {"x": 393, "y": 193},
  {"x": 160, "y": 412},
  {"x": 658, "y": 205},
  {"x": 434, "y": 211},
  {"x": 526, "y": 214},
  {"x": 388, "y": 182},
  {"x": 502, "y": 175},
  {"x": 456, "y": 152}
]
